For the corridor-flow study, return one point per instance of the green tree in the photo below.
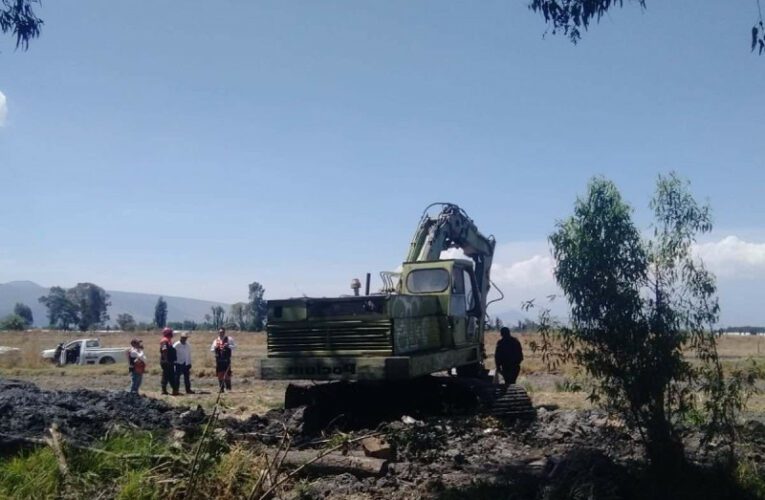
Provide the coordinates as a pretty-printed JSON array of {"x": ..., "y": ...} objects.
[
  {"x": 25, "y": 312},
  {"x": 13, "y": 322},
  {"x": 92, "y": 304},
  {"x": 62, "y": 312},
  {"x": 239, "y": 314},
  {"x": 160, "y": 313},
  {"x": 258, "y": 307},
  {"x": 635, "y": 306},
  {"x": 218, "y": 314},
  {"x": 18, "y": 17},
  {"x": 126, "y": 322},
  {"x": 570, "y": 17}
]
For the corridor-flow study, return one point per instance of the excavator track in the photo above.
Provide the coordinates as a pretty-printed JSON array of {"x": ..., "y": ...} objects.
[
  {"x": 365, "y": 404},
  {"x": 511, "y": 402}
]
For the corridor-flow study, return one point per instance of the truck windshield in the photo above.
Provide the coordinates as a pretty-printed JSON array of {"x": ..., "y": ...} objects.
[{"x": 427, "y": 280}]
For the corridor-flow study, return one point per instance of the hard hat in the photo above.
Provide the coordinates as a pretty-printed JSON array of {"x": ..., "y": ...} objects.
[
  {"x": 167, "y": 331},
  {"x": 184, "y": 335}
]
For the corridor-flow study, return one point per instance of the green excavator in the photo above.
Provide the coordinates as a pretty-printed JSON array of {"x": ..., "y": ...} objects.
[{"x": 428, "y": 318}]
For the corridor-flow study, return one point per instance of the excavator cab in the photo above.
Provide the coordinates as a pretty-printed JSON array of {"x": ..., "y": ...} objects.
[{"x": 452, "y": 282}]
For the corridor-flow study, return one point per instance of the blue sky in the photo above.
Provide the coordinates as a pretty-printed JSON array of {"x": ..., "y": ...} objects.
[{"x": 188, "y": 150}]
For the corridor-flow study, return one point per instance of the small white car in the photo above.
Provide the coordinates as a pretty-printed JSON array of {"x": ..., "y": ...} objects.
[{"x": 85, "y": 352}]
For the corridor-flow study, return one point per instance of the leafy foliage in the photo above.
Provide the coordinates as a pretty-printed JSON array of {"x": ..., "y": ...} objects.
[
  {"x": 85, "y": 305},
  {"x": 758, "y": 33},
  {"x": 635, "y": 306},
  {"x": 25, "y": 312},
  {"x": 258, "y": 306},
  {"x": 13, "y": 322},
  {"x": 239, "y": 314},
  {"x": 218, "y": 316},
  {"x": 62, "y": 312},
  {"x": 92, "y": 304},
  {"x": 126, "y": 322},
  {"x": 160, "y": 313},
  {"x": 571, "y": 17},
  {"x": 18, "y": 17}
]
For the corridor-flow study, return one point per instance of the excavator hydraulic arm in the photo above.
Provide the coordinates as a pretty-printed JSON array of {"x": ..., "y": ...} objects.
[{"x": 452, "y": 228}]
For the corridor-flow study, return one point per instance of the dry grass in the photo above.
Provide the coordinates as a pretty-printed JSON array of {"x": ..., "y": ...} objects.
[{"x": 251, "y": 395}]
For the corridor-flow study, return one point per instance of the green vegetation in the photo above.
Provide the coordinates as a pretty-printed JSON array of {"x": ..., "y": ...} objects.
[
  {"x": 160, "y": 313},
  {"x": 13, "y": 322},
  {"x": 571, "y": 17},
  {"x": 85, "y": 306},
  {"x": 132, "y": 465},
  {"x": 636, "y": 307},
  {"x": 30, "y": 475},
  {"x": 126, "y": 322},
  {"x": 218, "y": 316},
  {"x": 25, "y": 312},
  {"x": 258, "y": 307},
  {"x": 18, "y": 18}
]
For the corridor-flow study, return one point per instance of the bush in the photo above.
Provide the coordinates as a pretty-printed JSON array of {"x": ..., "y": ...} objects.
[{"x": 13, "y": 322}]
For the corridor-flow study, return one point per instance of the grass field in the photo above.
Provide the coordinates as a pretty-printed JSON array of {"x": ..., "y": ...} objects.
[{"x": 564, "y": 387}]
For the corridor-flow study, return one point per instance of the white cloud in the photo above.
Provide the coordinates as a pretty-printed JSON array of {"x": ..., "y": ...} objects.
[
  {"x": 3, "y": 108},
  {"x": 524, "y": 271},
  {"x": 733, "y": 257},
  {"x": 536, "y": 271}
]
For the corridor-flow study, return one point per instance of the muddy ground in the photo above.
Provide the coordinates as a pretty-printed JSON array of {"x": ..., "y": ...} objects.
[
  {"x": 562, "y": 453},
  {"x": 571, "y": 450}
]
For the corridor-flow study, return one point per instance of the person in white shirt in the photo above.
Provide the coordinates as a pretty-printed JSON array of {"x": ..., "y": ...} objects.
[
  {"x": 222, "y": 347},
  {"x": 136, "y": 364},
  {"x": 183, "y": 361}
]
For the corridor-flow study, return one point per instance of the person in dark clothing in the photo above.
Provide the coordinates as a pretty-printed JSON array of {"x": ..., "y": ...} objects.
[
  {"x": 508, "y": 356},
  {"x": 222, "y": 347},
  {"x": 167, "y": 359}
]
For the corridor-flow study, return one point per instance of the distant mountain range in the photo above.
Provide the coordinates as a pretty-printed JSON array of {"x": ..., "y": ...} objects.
[{"x": 140, "y": 305}]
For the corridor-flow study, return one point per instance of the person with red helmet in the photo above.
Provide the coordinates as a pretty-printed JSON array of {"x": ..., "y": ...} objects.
[{"x": 167, "y": 358}]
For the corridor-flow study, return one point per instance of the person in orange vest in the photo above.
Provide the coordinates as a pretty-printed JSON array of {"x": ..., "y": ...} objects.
[
  {"x": 222, "y": 347},
  {"x": 167, "y": 358}
]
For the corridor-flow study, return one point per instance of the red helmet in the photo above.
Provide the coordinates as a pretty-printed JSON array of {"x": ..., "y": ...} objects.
[{"x": 167, "y": 331}]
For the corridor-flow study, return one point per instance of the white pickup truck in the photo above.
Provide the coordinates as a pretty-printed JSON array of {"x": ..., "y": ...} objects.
[{"x": 85, "y": 352}]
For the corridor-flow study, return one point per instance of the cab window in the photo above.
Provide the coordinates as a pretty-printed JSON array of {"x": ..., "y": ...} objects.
[
  {"x": 427, "y": 280},
  {"x": 469, "y": 290},
  {"x": 91, "y": 343}
]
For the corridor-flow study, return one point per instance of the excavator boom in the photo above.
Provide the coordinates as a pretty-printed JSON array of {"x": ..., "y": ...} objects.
[{"x": 452, "y": 228}]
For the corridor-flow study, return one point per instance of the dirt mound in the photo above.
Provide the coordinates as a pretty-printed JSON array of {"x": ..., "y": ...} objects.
[
  {"x": 560, "y": 454},
  {"x": 81, "y": 414}
]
